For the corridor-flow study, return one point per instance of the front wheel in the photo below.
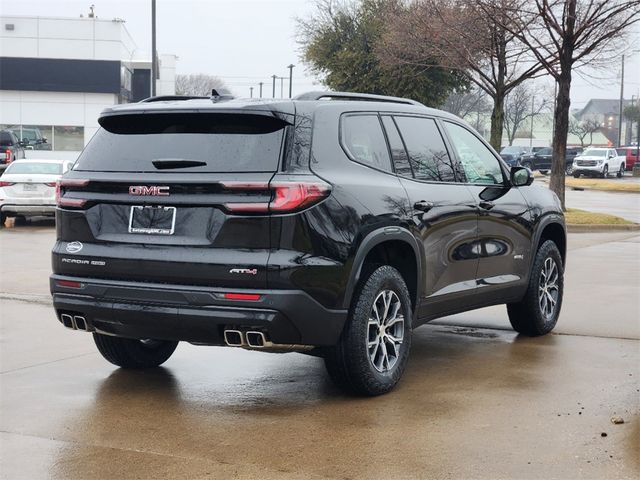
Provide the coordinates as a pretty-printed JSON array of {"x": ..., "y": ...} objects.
[
  {"x": 537, "y": 313},
  {"x": 605, "y": 171},
  {"x": 131, "y": 353},
  {"x": 373, "y": 350}
]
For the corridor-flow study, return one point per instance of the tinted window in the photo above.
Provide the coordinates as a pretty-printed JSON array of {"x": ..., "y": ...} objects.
[
  {"x": 5, "y": 139},
  {"x": 48, "y": 168},
  {"x": 362, "y": 137},
  {"x": 479, "y": 164},
  {"x": 427, "y": 153},
  {"x": 398, "y": 153},
  {"x": 224, "y": 142},
  {"x": 544, "y": 151}
]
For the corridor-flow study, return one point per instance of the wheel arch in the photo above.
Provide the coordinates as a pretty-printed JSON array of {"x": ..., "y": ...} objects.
[
  {"x": 553, "y": 229},
  {"x": 393, "y": 245}
]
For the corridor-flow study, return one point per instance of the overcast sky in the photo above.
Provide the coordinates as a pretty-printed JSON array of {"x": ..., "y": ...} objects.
[{"x": 247, "y": 41}]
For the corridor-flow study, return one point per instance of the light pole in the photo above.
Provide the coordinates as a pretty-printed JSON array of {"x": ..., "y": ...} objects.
[
  {"x": 250, "y": 92},
  {"x": 621, "y": 103},
  {"x": 261, "y": 83},
  {"x": 274, "y": 85},
  {"x": 154, "y": 58},
  {"x": 290, "y": 67}
]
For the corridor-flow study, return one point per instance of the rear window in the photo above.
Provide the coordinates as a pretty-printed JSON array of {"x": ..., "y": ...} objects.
[
  {"x": 194, "y": 142},
  {"x": 48, "y": 168}
]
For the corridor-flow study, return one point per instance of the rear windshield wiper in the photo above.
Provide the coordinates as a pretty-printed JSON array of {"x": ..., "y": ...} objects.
[{"x": 172, "y": 163}]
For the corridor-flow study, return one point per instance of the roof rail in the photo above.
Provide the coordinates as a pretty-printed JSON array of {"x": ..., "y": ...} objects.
[
  {"x": 367, "y": 97},
  {"x": 168, "y": 98}
]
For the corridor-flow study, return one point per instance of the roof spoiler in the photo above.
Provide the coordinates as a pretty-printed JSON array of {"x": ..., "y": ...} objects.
[
  {"x": 367, "y": 97},
  {"x": 217, "y": 95}
]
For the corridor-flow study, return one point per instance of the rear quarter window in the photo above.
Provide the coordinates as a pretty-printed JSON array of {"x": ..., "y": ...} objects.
[{"x": 363, "y": 139}]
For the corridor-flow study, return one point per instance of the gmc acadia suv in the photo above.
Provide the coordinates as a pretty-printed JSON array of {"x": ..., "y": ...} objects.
[{"x": 332, "y": 224}]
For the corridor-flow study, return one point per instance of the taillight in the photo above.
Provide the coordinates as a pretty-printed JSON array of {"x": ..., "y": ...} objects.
[
  {"x": 6, "y": 184},
  {"x": 69, "y": 202},
  {"x": 286, "y": 196},
  {"x": 51, "y": 184},
  {"x": 7, "y": 156}
]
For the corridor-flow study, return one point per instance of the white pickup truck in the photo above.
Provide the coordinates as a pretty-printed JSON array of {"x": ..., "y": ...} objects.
[{"x": 599, "y": 162}]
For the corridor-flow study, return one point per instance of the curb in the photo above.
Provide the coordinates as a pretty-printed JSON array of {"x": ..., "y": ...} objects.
[
  {"x": 29, "y": 298},
  {"x": 580, "y": 228}
]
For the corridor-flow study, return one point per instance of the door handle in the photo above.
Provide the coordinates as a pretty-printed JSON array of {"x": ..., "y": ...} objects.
[
  {"x": 485, "y": 204},
  {"x": 423, "y": 205}
]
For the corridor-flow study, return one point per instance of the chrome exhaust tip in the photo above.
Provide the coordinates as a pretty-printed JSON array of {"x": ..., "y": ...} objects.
[
  {"x": 233, "y": 338},
  {"x": 67, "y": 321},
  {"x": 80, "y": 323},
  {"x": 256, "y": 339}
]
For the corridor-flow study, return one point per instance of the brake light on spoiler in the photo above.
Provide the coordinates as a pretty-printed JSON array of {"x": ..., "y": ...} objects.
[
  {"x": 73, "y": 183},
  {"x": 286, "y": 196}
]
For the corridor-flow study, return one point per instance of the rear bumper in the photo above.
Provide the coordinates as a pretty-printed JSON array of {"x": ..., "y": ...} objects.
[
  {"x": 28, "y": 209},
  {"x": 195, "y": 314}
]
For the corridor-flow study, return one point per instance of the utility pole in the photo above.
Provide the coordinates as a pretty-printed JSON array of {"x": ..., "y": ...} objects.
[
  {"x": 621, "y": 102},
  {"x": 533, "y": 97},
  {"x": 281, "y": 87},
  {"x": 261, "y": 83},
  {"x": 290, "y": 67},
  {"x": 154, "y": 57},
  {"x": 250, "y": 92},
  {"x": 274, "y": 85}
]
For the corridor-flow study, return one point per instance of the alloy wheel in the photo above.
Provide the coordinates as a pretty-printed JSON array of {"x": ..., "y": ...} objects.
[
  {"x": 385, "y": 331},
  {"x": 548, "y": 289}
]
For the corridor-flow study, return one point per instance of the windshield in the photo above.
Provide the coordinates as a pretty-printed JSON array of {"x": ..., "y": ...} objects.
[
  {"x": 48, "y": 168},
  {"x": 194, "y": 142},
  {"x": 593, "y": 152},
  {"x": 512, "y": 149}
]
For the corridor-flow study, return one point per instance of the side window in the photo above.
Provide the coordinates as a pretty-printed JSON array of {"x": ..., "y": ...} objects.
[
  {"x": 398, "y": 153},
  {"x": 428, "y": 155},
  {"x": 363, "y": 139},
  {"x": 478, "y": 163},
  {"x": 5, "y": 139}
]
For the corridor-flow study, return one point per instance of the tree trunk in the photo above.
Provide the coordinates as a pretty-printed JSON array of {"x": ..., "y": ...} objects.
[
  {"x": 497, "y": 121},
  {"x": 560, "y": 134}
]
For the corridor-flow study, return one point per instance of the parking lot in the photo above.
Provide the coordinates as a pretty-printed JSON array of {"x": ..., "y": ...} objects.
[{"x": 477, "y": 401}]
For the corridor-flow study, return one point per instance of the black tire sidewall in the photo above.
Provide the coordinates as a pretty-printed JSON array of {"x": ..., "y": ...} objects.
[{"x": 363, "y": 374}]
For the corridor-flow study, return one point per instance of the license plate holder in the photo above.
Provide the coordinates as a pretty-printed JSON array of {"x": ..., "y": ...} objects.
[
  {"x": 152, "y": 220},
  {"x": 29, "y": 187}
]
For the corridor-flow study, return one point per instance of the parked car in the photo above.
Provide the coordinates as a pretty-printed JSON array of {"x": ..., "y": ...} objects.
[
  {"x": 631, "y": 156},
  {"x": 331, "y": 224},
  {"x": 10, "y": 148},
  {"x": 541, "y": 159},
  {"x": 599, "y": 162},
  {"x": 513, "y": 154},
  {"x": 32, "y": 138},
  {"x": 27, "y": 188}
]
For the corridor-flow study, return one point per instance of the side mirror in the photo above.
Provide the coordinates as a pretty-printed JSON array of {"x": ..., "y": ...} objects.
[
  {"x": 521, "y": 176},
  {"x": 43, "y": 140}
]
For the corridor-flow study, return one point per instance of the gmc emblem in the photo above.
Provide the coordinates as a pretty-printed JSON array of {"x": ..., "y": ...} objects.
[{"x": 144, "y": 190}]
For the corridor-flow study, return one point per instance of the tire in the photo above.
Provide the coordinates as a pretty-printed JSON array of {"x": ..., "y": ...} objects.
[
  {"x": 130, "y": 353},
  {"x": 350, "y": 363},
  {"x": 20, "y": 220},
  {"x": 620, "y": 173},
  {"x": 576, "y": 175},
  {"x": 3, "y": 218},
  {"x": 544, "y": 172},
  {"x": 529, "y": 165},
  {"x": 568, "y": 169},
  {"x": 534, "y": 315},
  {"x": 605, "y": 171}
]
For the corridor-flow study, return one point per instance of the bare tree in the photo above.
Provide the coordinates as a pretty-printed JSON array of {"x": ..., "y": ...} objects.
[
  {"x": 583, "y": 128},
  {"x": 523, "y": 104},
  {"x": 564, "y": 35},
  {"x": 467, "y": 102},
  {"x": 468, "y": 35},
  {"x": 198, "y": 84}
]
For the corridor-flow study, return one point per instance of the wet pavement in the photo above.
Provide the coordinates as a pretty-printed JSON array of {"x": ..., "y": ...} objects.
[{"x": 477, "y": 400}]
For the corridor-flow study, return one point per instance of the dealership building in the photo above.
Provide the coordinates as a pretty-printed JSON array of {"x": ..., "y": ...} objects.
[{"x": 58, "y": 74}]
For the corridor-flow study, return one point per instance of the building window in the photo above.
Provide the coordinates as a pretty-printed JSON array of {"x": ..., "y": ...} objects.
[{"x": 48, "y": 137}]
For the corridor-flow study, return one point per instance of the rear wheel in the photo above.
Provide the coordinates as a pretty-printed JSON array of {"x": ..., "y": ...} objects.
[
  {"x": 568, "y": 169},
  {"x": 131, "y": 353},
  {"x": 373, "y": 350},
  {"x": 620, "y": 173},
  {"x": 537, "y": 313},
  {"x": 544, "y": 172}
]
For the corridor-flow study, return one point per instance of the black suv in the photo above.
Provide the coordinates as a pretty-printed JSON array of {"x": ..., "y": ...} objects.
[
  {"x": 541, "y": 160},
  {"x": 331, "y": 224},
  {"x": 10, "y": 148}
]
